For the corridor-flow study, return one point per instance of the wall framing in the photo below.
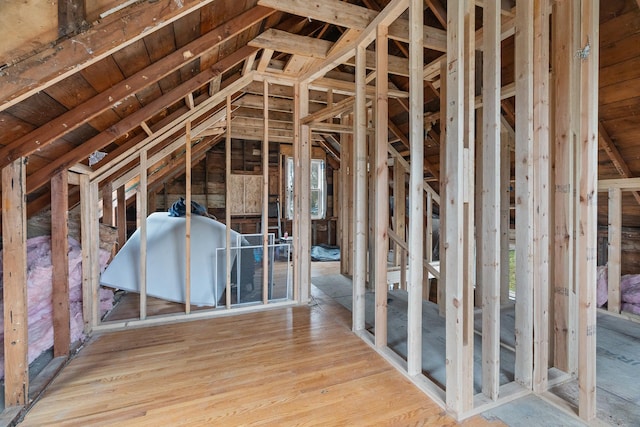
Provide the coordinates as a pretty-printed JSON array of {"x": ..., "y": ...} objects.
[{"x": 556, "y": 157}]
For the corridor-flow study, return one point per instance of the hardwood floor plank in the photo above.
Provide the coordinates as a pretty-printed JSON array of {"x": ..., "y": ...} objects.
[{"x": 298, "y": 366}]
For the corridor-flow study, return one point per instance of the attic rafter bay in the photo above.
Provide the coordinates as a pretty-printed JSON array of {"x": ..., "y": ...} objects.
[
  {"x": 45, "y": 68},
  {"x": 130, "y": 122},
  {"x": 56, "y": 128}
]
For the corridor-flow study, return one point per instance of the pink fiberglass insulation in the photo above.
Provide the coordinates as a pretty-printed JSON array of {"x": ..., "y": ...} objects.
[
  {"x": 631, "y": 308},
  {"x": 39, "y": 287},
  {"x": 629, "y": 290}
]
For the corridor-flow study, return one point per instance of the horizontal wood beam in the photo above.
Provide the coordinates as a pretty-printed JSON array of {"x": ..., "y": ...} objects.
[
  {"x": 51, "y": 65},
  {"x": 257, "y": 113},
  {"x": 629, "y": 184},
  {"x": 324, "y": 127},
  {"x": 344, "y": 87},
  {"x": 252, "y": 122},
  {"x": 283, "y": 91},
  {"x": 330, "y": 111},
  {"x": 386, "y": 17},
  {"x": 356, "y": 17},
  {"x": 283, "y": 41},
  {"x": 275, "y": 104},
  {"x": 397, "y": 65}
]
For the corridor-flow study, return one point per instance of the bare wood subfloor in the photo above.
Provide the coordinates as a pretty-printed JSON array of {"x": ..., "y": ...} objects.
[{"x": 290, "y": 366}]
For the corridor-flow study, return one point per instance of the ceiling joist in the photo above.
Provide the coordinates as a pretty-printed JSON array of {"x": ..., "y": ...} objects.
[{"x": 357, "y": 17}]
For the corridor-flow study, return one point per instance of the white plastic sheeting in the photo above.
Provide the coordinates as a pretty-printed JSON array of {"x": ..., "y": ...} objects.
[{"x": 166, "y": 260}]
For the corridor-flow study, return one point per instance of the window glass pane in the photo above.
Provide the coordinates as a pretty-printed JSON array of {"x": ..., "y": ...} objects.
[
  {"x": 315, "y": 203},
  {"x": 318, "y": 189},
  {"x": 315, "y": 174},
  {"x": 289, "y": 194}
]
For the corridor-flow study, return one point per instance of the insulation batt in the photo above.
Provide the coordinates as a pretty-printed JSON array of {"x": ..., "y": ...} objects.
[
  {"x": 39, "y": 287},
  {"x": 629, "y": 289}
]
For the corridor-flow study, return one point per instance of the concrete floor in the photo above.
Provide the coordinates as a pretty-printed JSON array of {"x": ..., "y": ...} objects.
[{"x": 618, "y": 360}]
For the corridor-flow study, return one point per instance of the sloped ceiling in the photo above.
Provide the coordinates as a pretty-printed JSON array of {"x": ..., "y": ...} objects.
[{"x": 139, "y": 73}]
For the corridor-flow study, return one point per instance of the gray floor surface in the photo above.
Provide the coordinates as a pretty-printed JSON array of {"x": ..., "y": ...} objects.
[{"x": 618, "y": 360}]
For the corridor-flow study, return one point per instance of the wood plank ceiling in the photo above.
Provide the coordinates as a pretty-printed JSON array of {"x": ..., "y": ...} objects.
[{"x": 130, "y": 74}]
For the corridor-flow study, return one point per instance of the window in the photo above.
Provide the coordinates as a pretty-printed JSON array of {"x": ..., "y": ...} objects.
[{"x": 318, "y": 189}]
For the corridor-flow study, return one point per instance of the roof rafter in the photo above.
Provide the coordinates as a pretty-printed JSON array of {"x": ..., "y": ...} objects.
[
  {"x": 38, "y": 72},
  {"x": 133, "y": 120},
  {"x": 45, "y": 135}
]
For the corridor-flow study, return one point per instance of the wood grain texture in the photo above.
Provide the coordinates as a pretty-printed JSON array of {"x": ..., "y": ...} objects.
[
  {"x": 14, "y": 277},
  {"x": 284, "y": 367},
  {"x": 60, "y": 262}
]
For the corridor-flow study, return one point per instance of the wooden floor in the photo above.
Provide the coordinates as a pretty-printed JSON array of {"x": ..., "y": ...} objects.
[{"x": 283, "y": 367}]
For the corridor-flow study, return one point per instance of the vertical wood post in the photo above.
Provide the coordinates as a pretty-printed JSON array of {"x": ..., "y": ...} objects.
[
  {"x": 14, "y": 279},
  {"x": 141, "y": 211},
  {"x": 469, "y": 243},
  {"x": 469, "y": 273},
  {"x": 586, "y": 238},
  {"x": 442, "y": 286},
  {"x": 524, "y": 194},
  {"x": 615, "y": 245},
  {"x": 505, "y": 215},
  {"x": 87, "y": 254},
  {"x": 360, "y": 205},
  {"x": 346, "y": 197},
  {"x": 479, "y": 194},
  {"x": 206, "y": 181},
  {"x": 416, "y": 187},
  {"x": 107, "y": 204},
  {"x": 94, "y": 247},
  {"x": 382, "y": 185},
  {"x": 187, "y": 233},
  {"x": 227, "y": 206},
  {"x": 303, "y": 172},
  {"x": 491, "y": 199},
  {"x": 453, "y": 205},
  {"x": 297, "y": 128},
  {"x": 541, "y": 195},
  {"x": 428, "y": 244},
  {"x": 563, "y": 164},
  {"x": 400, "y": 211},
  {"x": 121, "y": 217},
  {"x": 265, "y": 194},
  {"x": 60, "y": 263}
]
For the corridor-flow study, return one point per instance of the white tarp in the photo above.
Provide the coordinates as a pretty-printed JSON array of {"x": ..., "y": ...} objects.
[{"x": 166, "y": 260}]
